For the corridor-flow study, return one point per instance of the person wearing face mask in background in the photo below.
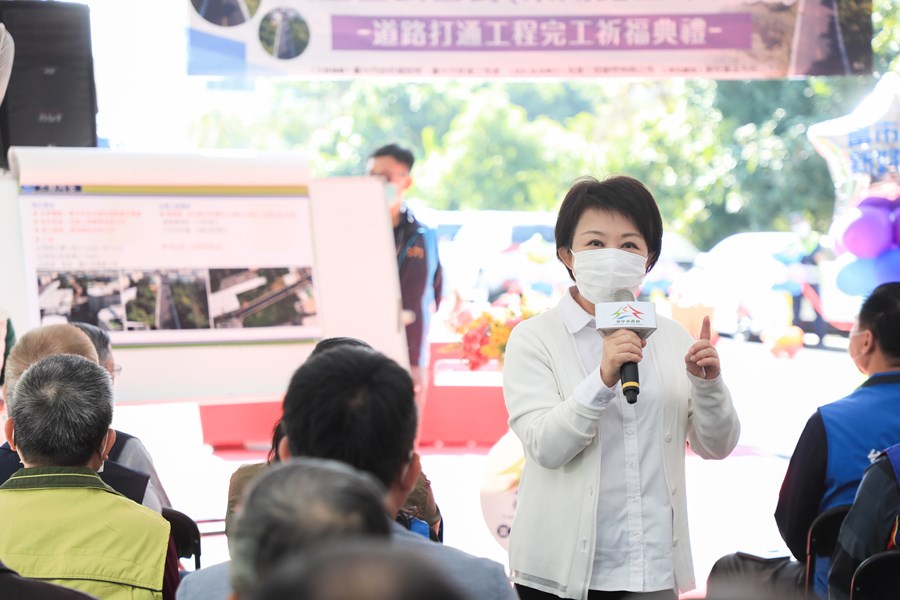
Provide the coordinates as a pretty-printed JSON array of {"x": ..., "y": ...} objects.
[
  {"x": 601, "y": 507},
  {"x": 421, "y": 277},
  {"x": 839, "y": 441},
  {"x": 808, "y": 248}
]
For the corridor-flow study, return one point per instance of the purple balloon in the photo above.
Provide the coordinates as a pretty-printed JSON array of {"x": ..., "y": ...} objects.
[
  {"x": 876, "y": 201},
  {"x": 858, "y": 278},
  {"x": 887, "y": 266},
  {"x": 897, "y": 225},
  {"x": 870, "y": 234}
]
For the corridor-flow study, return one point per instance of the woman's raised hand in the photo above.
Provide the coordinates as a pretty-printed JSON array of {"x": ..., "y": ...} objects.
[{"x": 702, "y": 360}]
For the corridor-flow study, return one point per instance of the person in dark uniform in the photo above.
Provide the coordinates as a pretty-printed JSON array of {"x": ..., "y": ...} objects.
[
  {"x": 421, "y": 279},
  {"x": 808, "y": 249}
]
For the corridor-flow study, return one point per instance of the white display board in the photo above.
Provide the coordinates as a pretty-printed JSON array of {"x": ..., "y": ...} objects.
[{"x": 214, "y": 272}]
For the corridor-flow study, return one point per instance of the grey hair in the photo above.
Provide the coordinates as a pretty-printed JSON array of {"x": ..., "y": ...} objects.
[
  {"x": 99, "y": 337},
  {"x": 360, "y": 570},
  {"x": 297, "y": 505},
  {"x": 63, "y": 408}
]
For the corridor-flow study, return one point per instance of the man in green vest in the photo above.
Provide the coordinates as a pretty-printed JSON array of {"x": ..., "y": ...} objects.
[{"x": 58, "y": 521}]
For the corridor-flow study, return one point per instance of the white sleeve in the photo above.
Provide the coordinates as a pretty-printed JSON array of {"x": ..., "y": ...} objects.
[
  {"x": 592, "y": 392},
  {"x": 553, "y": 429},
  {"x": 135, "y": 456},
  {"x": 151, "y": 498}
]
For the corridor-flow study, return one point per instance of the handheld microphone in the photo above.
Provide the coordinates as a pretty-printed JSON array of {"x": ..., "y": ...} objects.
[{"x": 625, "y": 313}]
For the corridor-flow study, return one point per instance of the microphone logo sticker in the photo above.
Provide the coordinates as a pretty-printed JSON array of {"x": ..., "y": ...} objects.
[{"x": 628, "y": 315}]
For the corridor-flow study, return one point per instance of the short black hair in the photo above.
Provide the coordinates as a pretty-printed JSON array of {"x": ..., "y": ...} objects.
[
  {"x": 99, "y": 338},
  {"x": 336, "y": 342},
  {"x": 354, "y": 405},
  {"x": 880, "y": 314},
  {"x": 396, "y": 152},
  {"x": 621, "y": 195}
]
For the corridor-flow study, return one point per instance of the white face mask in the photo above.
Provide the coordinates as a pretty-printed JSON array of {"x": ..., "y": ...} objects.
[
  {"x": 390, "y": 194},
  {"x": 600, "y": 273},
  {"x": 858, "y": 358}
]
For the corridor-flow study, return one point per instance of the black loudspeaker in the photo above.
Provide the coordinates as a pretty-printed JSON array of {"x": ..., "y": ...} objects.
[{"x": 51, "y": 99}]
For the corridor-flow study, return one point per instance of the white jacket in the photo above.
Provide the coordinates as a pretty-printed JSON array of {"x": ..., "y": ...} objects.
[{"x": 553, "y": 535}]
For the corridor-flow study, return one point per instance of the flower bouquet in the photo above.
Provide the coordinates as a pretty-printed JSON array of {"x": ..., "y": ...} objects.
[{"x": 484, "y": 336}]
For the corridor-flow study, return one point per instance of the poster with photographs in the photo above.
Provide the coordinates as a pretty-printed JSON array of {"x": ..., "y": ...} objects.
[{"x": 162, "y": 269}]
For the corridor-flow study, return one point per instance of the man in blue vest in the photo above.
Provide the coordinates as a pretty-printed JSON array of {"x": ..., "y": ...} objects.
[
  {"x": 839, "y": 441},
  {"x": 421, "y": 279},
  {"x": 871, "y": 526}
]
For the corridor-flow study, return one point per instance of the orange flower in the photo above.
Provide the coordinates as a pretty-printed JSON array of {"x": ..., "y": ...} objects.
[{"x": 484, "y": 337}]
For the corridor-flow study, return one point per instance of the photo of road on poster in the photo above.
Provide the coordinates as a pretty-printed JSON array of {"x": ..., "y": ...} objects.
[{"x": 281, "y": 297}]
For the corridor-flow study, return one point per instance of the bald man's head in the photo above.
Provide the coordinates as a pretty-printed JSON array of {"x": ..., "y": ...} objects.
[{"x": 42, "y": 342}]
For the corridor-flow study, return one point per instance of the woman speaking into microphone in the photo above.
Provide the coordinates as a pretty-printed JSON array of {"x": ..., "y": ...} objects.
[{"x": 601, "y": 508}]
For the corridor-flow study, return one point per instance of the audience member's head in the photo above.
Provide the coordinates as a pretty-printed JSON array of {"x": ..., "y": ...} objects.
[
  {"x": 102, "y": 344},
  {"x": 875, "y": 340},
  {"x": 358, "y": 570},
  {"x": 41, "y": 342},
  {"x": 61, "y": 414},
  {"x": 331, "y": 343},
  {"x": 297, "y": 505},
  {"x": 356, "y": 406},
  {"x": 320, "y": 347},
  {"x": 745, "y": 588}
]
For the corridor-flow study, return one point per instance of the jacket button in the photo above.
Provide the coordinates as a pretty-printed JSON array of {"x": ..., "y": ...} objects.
[{"x": 668, "y": 437}]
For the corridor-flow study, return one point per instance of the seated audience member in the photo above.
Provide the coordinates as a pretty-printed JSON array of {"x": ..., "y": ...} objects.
[
  {"x": 245, "y": 475},
  {"x": 60, "y": 522},
  {"x": 839, "y": 441},
  {"x": 13, "y": 586},
  {"x": 128, "y": 450},
  {"x": 872, "y": 525},
  {"x": 290, "y": 508},
  {"x": 46, "y": 341},
  {"x": 357, "y": 406},
  {"x": 420, "y": 513},
  {"x": 359, "y": 571}
]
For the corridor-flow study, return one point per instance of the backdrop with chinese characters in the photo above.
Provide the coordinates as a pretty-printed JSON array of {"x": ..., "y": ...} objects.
[{"x": 722, "y": 39}]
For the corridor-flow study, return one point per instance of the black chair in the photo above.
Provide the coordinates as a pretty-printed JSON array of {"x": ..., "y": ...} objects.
[
  {"x": 877, "y": 577},
  {"x": 185, "y": 533},
  {"x": 821, "y": 540}
]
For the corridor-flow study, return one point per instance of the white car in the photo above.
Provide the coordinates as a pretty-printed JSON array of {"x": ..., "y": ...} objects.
[{"x": 745, "y": 284}]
